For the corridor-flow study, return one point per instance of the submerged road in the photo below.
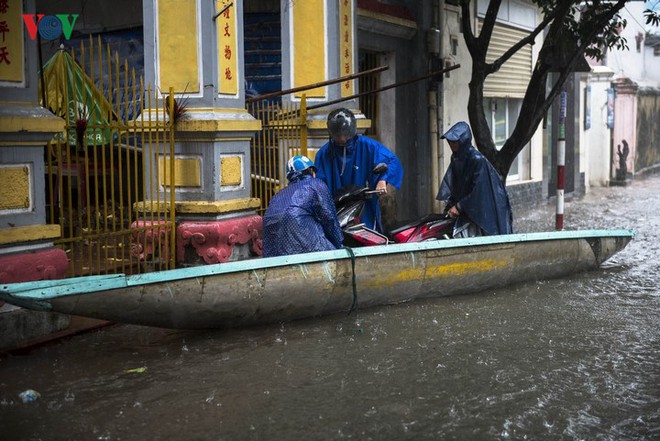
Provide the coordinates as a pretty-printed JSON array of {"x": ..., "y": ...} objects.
[{"x": 570, "y": 359}]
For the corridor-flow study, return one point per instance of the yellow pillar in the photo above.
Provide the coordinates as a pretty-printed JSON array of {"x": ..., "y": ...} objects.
[
  {"x": 197, "y": 51},
  {"x": 321, "y": 38},
  {"x": 25, "y": 128}
]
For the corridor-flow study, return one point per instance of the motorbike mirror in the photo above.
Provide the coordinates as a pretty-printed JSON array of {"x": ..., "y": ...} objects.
[{"x": 379, "y": 168}]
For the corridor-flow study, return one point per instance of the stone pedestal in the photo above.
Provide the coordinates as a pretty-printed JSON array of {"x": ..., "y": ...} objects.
[
  {"x": 206, "y": 233},
  {"x": 24, "y": 266},
  {"x": 220, "y": 241},
  {"x": 620, "y": 182}
]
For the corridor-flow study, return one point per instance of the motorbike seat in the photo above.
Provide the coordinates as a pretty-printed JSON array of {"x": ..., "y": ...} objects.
[{"x": 433, "y": 217}]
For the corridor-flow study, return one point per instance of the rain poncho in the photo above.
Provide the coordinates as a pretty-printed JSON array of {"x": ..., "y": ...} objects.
[
  {"x": 301, "y": 218},
  {"x": 338, "y": 166},
  {"x": 474, "y": 186}
]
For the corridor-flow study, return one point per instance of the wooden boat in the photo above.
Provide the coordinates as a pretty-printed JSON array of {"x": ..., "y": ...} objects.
[{"x": 280, "y": 289}]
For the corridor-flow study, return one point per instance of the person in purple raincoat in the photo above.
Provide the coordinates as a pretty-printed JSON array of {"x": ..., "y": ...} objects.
[{"x": 301, "y": 218}]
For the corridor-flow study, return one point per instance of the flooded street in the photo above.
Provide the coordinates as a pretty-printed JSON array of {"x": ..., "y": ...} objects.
[{"x": 570, "y": 359}]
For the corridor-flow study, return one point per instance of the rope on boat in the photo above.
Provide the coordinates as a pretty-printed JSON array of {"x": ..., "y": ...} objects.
[{"x": 354, "y": 306}]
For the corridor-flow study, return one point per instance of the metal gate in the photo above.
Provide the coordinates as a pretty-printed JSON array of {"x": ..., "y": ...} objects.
[
  {"x": 96, "y": 175},
  {"x": 283, "y": 135}
]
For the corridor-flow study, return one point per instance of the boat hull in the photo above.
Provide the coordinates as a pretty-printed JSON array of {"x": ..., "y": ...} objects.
[{"x": 295, "y": 287}]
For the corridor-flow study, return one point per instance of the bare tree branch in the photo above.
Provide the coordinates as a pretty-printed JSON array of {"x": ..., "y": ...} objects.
[
  {"x": 536, "y": 103},
  {"x": 486, "y": 31},
  {"x": 468, "y": 34}
]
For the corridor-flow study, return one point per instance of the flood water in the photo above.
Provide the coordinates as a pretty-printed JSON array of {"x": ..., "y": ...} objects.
[{"x": 570, "y": 359}]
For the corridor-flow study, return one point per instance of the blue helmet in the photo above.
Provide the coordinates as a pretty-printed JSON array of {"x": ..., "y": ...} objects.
[{"x": 298, "y": 164}]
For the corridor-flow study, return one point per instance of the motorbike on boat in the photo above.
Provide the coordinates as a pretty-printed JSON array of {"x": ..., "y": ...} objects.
[{"x": 350, "y": 201}]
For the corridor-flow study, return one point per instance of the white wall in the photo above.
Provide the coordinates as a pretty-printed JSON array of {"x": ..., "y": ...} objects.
[
  {"x": 456, "y": 89},
  {"x": 597, "y": 140},
  {"x": 638, "y": 66}
]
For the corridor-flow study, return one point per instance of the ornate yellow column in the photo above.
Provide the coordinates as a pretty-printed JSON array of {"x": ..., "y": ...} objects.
[
  {"x": 319, "y": 44},
  {"x": 196, "y": 47},
  {"x": 26, "y": 242},
  {"x": 25, "y": 128}
]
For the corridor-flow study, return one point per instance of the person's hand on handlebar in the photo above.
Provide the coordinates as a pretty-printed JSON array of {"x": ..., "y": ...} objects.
[
  {"x": 381, "y": 187},
  {"x": 453, "y": 212}
]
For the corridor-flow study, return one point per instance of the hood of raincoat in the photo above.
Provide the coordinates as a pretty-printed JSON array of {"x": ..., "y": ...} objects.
[
  {"x": 349, "y": 146},
  {"x": 459, "y": 132},
  {"x": 296, "y": 175}
]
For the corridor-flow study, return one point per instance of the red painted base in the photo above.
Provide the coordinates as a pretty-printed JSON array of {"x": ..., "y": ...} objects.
[
  {"x": 214, "y": 241},
  {"x": 28, "y": 266},
  {"x": 149, "y": 236}
]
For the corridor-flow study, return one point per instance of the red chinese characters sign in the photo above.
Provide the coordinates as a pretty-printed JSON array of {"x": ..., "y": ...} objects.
[
  {"x": 227, "y": 47},
  {"x": 11, "y": 41},
  {"x": 346, "y": 45}
]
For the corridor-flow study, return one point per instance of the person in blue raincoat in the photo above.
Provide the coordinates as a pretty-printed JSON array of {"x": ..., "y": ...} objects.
[
  {"x": 301, "y": 218},
  {"x": 474, "y": 192},
  {"x": 349, "y": 158}
]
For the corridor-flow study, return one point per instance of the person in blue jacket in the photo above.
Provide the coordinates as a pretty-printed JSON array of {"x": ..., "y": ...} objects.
[
  {"x": 348, "y": 158},
  {"x": 475, "y": 194},
  {"x": 301, "y": 218}
]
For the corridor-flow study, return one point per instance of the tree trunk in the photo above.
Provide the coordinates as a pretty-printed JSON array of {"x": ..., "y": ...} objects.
[{"x": 561, "y": 50}]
